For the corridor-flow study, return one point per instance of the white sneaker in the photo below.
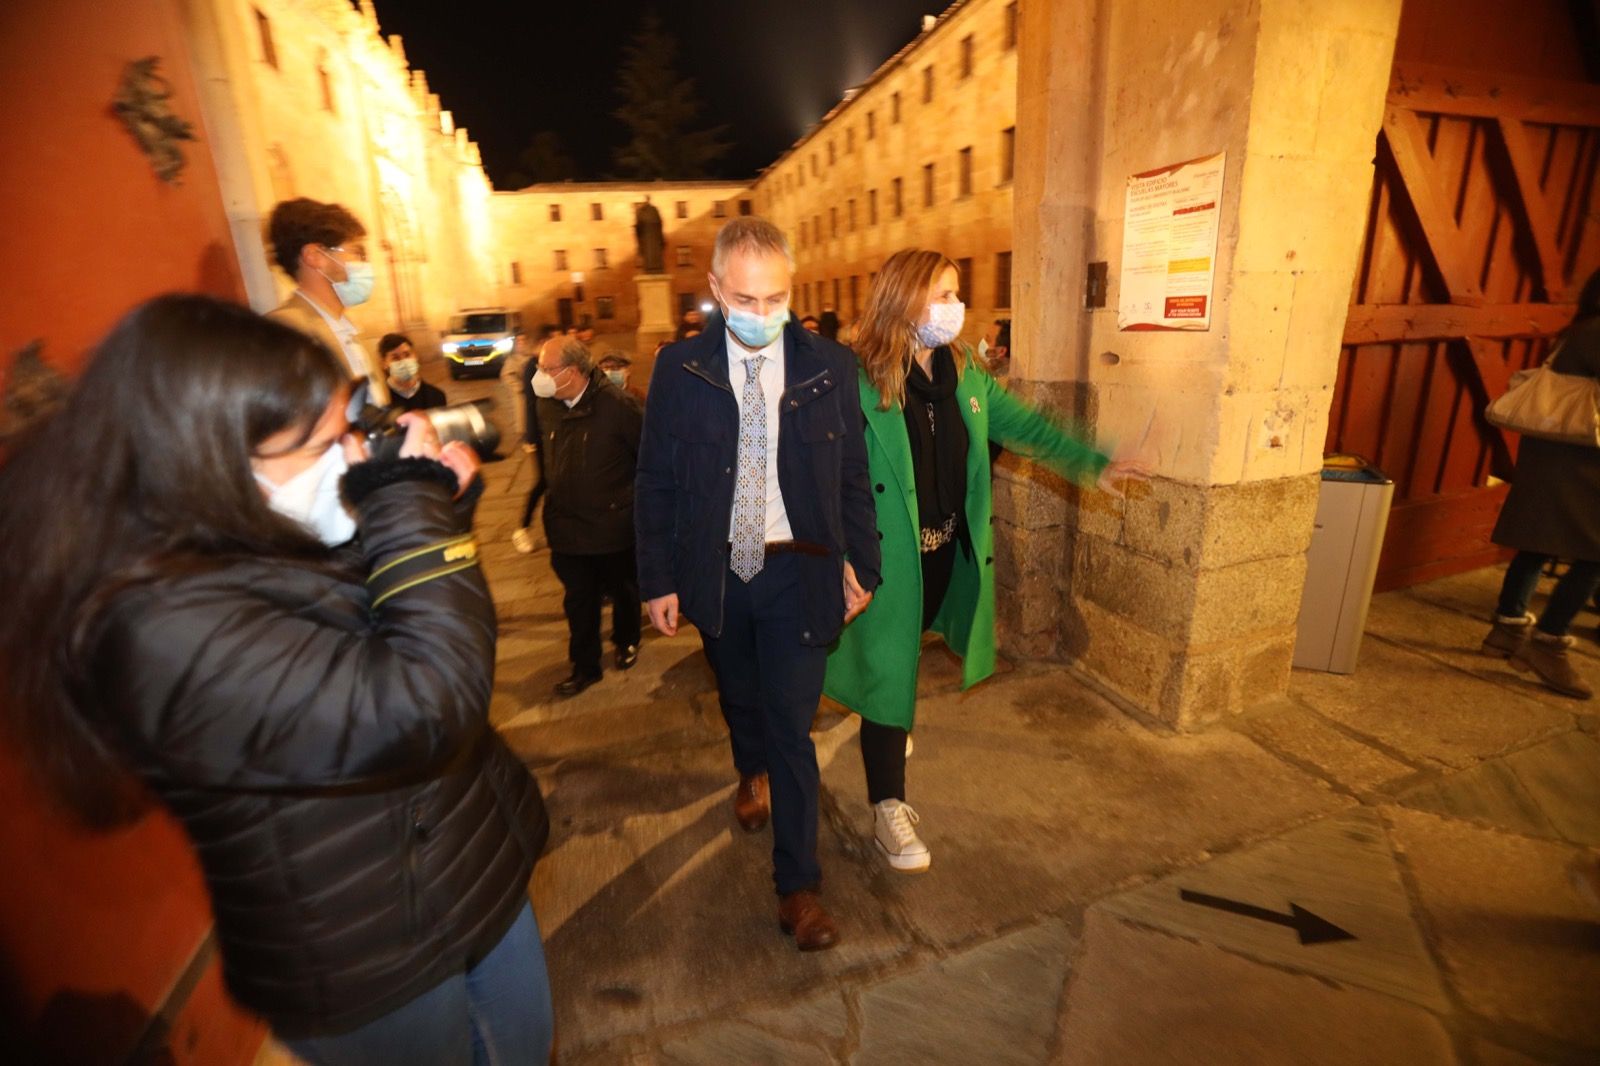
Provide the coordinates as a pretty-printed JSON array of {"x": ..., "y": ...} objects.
[
  {"x": 893, "y": 830},
  {"x": 522, "y": 540},
  {"x": 909, "y": 745}
]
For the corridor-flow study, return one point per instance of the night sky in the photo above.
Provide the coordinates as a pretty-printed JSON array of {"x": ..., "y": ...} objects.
[{"x": 765, "y": 68}]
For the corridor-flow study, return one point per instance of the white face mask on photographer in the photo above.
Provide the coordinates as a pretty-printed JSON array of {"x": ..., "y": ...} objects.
[{"x": 311, "y": 498}]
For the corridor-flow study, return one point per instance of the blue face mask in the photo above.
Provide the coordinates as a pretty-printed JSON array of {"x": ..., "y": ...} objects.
[
  {"x": 755, "y": 330},
  {"x": 356, "y": 287}
]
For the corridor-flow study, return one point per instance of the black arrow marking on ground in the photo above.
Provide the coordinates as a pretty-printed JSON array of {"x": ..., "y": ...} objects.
[{"x": 1311, "y": 928}]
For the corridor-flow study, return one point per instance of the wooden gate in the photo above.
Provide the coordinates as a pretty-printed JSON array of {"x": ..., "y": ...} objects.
[{"x": 1483, "y": 223}]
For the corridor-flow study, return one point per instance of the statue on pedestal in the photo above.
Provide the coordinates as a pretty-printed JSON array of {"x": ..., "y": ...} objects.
[{"x": 647, "y": 231}]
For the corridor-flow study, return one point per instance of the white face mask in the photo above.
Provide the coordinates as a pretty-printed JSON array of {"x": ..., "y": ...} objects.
[
  {"x": 404, "y": 369},
  {"x": 311, "y": 498},
  {"x": 983, "y": 348},
  {"x": 544, "y": 384},
  {"x": 943, "y": 324}
]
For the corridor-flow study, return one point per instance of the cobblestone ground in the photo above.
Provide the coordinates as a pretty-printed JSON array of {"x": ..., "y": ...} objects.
[{"x": 1377, "y": 870}]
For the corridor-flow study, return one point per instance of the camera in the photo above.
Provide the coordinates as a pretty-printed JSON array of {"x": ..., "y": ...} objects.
[{"x": 466, "y": 422}]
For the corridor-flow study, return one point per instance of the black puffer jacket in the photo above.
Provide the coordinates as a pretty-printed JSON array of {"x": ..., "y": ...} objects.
[{"x": 325, "y": 741}]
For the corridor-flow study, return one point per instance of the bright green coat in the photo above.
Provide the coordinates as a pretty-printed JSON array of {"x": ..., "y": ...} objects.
[{"x": 873, "y": 668}]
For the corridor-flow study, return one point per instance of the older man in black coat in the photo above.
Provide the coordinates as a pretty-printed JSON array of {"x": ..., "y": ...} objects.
[{"x": 589, "y": 444}]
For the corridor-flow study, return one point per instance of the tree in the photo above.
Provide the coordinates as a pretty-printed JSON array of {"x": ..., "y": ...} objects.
[
  {"x": 659, "y": 107},
  {"x": 545, "y": 159}
]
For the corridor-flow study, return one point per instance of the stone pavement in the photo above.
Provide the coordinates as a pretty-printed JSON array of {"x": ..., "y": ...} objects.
[{"x": 1374, "y": 871}]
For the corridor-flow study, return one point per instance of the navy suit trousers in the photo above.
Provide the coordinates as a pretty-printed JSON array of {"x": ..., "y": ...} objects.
[{"x": 770, "y": 684}]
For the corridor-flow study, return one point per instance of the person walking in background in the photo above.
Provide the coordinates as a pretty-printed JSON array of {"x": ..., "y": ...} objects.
[
  {"x": 1553, "y": 512},
  {"x": 994, "y": 350},
  {"x": 931, "y": 411},
  {"x": 403, "y": 372},
  {"x": 589, "y": 447},
  {"x": 524, "y": 538},
  {"x": 754, "y": 522},
  {"x": 292, "y": 647},
  {"x": 619, "y": 368},
  {"x": 320, "y": 246}
]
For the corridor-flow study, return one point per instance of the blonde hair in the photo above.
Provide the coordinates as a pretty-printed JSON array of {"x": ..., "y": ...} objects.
[
  {"x": 886, "y": 333},
  {"x": 748, "y": 233}
]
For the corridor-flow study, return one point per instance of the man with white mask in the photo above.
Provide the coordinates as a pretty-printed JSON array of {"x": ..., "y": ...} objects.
[
  {"x": 755, "y": 522},
  {"x": 321, "y": 247}
]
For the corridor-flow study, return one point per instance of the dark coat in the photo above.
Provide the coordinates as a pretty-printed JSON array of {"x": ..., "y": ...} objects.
[
  {"x": 1554, "y": 504},
  {"x": 425, "y": 398},
  {"x": 363, "y": 832},
  {"x": 684, "y": 490},
  {"x": 586, "y": 461}
]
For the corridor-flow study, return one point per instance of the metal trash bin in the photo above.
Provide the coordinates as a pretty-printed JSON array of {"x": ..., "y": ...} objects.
[{"x": 1342, "y": 564}]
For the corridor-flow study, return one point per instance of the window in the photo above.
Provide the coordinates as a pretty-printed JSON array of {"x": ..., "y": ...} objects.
[
  {"x": 836, "y": 305},
  {"x": 597, "y": 213},
  {"x": 894, "y": 110},
  {"x": 600, "y": 259},
  {"x": 516, "y": 273},
  {"x": 872, "y": 124},
  {"x": 831, "y": 157},
  {"x": 851, "y": 209},
  {"x": 269, "y": 52},
  {"x": 872, "y": 207},
  {"x": 816, "y": 229},
  {"x": 816, "y": 166},
  {"x": 801, "y": 173},
  {"x": 897, "y": 200},
  {"x": 1008, "y": 153},
  {"x": 719, "y": 209},
  {"x": 555, "y": 212},
  {"x": 964, "y": 172},
  {"x": 685, "y": 256},
  {"x": 964, "y": 292},
  {"x": 855, "y": 295},
  {"x": 802, "y": 233},
  {"x": 966, "y": 56},
  {"x": 1011, "y": 26},
  {"x": 849, "y": 140},
  {"x": 561, "y": 259},
  {"x": 927, "y": 185},
  {"x": 744, "y": 207},
  {"x": 833, "y": 221},
  {"x": 605, "y": 306},
  {"x": 927, "y": 84},
  {"x": 1002, "y": 279},
  {"x": 324, "y": 81},
  {"x": 683, "y": 209}
]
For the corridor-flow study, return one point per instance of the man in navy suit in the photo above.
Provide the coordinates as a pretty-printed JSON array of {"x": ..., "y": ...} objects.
[{"x": 755, "y": 522}]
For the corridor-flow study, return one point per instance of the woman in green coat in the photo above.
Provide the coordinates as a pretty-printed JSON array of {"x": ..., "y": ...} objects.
[{"x": 931, "y": 412}]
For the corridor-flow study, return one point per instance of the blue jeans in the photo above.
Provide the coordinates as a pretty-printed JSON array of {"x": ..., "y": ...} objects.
[
  {"x": 769, "y": 685},
  {"x": 496, "y": 1014},
  {"x": 1574, "y": 589}
]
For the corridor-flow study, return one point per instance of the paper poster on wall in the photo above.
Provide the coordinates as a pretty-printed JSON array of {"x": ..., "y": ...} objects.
[{"x": 1169, "y": 246}]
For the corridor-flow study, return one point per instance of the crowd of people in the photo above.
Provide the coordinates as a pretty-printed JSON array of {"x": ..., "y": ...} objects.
[{"x": 232, "y": 607}]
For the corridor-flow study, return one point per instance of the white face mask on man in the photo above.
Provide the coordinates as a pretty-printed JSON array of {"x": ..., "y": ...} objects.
[{"x": 311, "y": 498}]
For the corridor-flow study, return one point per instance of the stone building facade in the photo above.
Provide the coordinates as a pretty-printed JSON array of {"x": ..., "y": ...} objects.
[
  {"x": 307, "y": 98},
  {"x": 920, "y": 155},
  {"x": 568, "y": 252}
]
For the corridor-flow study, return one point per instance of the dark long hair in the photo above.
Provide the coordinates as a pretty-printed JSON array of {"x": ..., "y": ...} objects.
[{"x": 144, "y": 470}]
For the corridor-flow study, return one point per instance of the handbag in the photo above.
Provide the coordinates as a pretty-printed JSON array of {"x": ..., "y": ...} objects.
[{"x": 1540, "y": 402}]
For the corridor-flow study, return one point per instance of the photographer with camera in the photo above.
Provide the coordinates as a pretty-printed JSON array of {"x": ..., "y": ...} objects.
[{"x": 226, "y": 606}]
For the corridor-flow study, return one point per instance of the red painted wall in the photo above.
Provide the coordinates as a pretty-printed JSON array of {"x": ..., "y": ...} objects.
[{"x": 96, "y": 929}]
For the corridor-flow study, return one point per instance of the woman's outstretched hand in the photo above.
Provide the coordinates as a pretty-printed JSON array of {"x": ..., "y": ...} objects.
[{"x": 1115, "y": 477}]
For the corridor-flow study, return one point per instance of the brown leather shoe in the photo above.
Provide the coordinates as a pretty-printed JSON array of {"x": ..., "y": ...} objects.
[
  {"x": 751, "y": 804},
  {"x": 800, "y": 914}
]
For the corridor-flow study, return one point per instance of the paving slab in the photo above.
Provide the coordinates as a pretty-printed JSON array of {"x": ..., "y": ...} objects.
[
  {"x": 1003, "y": 999},
  {"x": 1035, "y": 796},
  {"x": 741, "y": 1042},
  {"x": 1139, "y": 996},
  {"x": 1551, "y": 789},
  {"x": 1288, "y": 731},
  {"x": 1425, "y": 712},
  {"x": 1341, "y": 870},
  {"x": 1518, "y": 943}
]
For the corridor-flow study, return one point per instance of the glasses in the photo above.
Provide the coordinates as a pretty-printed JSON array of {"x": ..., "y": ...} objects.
[{"x": 354, "y": 251}]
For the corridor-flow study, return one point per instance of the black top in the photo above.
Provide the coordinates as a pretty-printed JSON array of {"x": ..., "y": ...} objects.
[
  {"x": 425, "y": 397},
  {"x": 938, "y": 448}
]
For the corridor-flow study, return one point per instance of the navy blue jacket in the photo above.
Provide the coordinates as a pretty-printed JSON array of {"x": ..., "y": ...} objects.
[{"x": 683, "y": 490}]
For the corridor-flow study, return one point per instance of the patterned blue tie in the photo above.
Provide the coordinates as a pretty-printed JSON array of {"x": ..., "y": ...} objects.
[{"x": 750, "y": 492}]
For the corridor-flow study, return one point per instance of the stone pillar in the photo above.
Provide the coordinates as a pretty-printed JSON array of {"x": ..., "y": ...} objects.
[{"x": 1180, "y": 602}]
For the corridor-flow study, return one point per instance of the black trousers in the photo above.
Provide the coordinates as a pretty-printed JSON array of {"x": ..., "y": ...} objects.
[
  {"x": 769, "y": 685},
  {"x": 586, "y": 578},
  {"x": 883, "y": 747}
]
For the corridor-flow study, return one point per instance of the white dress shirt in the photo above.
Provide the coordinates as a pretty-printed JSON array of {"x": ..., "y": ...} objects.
[
  {"x": 345, "y": 332},
  {"x": 772, "y": 392}
]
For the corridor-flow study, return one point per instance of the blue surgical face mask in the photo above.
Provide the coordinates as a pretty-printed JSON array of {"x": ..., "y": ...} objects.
[
  {"x": 357, "y": 284},
  {"x": 618, "y": 378},
  {"x": 755, "y": 330}
]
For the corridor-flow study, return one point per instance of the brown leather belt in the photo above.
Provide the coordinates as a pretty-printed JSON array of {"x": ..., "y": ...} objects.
[{"x": 793, "y": 547}]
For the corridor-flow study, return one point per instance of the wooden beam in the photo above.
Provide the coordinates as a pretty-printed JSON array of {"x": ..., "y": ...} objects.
[
  {"x": 1484, "y": 94},
  {"x": 1406, "y": 323},
  {"x": 1541, "y": 220},
  {"x": 1413, "y": 162},
  {"x": 1493, "y": 372}
]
